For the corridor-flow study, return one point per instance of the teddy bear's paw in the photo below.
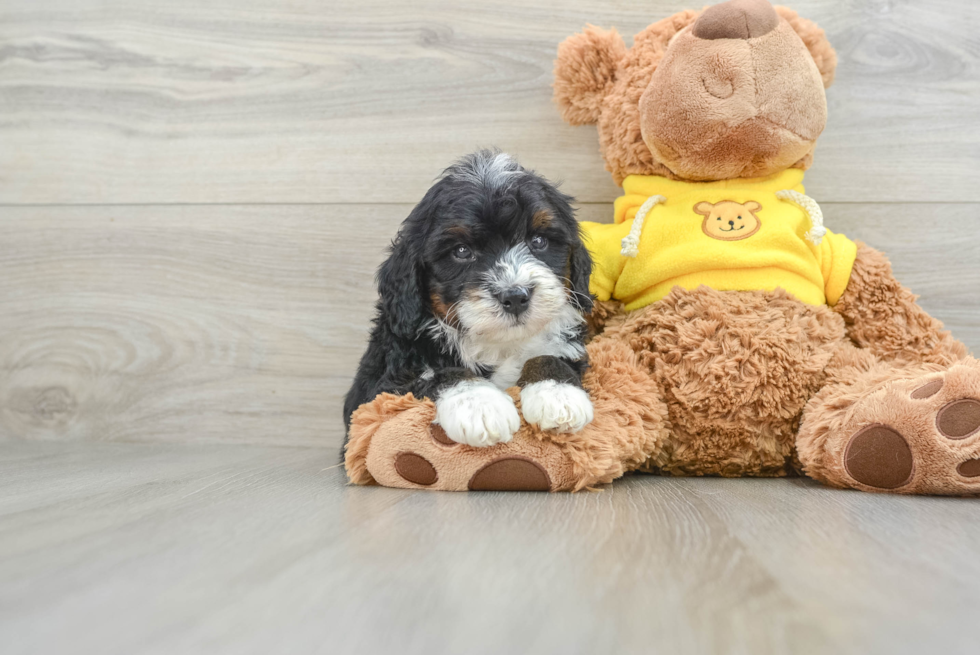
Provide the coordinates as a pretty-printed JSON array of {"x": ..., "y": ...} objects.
[
  {"x": 476, "y": 470},
  {"x": 919, "y": 436},
  {"x": 476, "y": 413},
  {"x": 409, "y": 451},
  {"x": 552, "y": 405}
]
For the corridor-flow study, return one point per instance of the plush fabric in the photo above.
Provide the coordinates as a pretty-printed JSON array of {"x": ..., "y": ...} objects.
[
  {"x": 680, "y": 244},
  {"x": 733, "y": 108},
  {"x": 742, "y": 135},
  {"x": 591, "y": 60},
  {"x": 845, "y": 379},
  {"x": 883, "y": 317},
  {"x": 816, "y": 43},
  {"x": 738, "y": 19},
  {"x": 930, "y": 458},
  {"x": 617, "y": 103}
]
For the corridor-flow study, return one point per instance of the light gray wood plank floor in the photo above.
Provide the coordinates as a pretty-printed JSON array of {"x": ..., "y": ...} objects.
[{"x": 150, "y": 548}]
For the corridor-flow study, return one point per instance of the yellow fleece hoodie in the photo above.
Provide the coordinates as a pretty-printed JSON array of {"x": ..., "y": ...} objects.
[{"x": 730, "y": 235}]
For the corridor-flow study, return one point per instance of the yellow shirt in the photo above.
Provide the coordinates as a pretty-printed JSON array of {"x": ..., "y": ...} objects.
[{"x": 731, "y": 235}]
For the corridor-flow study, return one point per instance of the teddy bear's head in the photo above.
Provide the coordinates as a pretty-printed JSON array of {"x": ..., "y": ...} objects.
[{"x": 734, "y": 91}]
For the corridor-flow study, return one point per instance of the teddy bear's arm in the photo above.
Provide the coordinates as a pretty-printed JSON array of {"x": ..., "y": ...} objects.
[{"x": 883, "y": 316}]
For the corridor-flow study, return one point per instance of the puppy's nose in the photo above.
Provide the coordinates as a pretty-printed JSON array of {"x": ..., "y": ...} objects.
[
  {"x": 515, "y": 300},
  {"x": 736, "y": 19}
]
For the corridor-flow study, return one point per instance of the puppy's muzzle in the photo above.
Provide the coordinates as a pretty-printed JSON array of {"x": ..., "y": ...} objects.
[{"x": 514, "y": 300}]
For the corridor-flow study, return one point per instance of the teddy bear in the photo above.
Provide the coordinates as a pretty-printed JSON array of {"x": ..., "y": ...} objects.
[{"x": 735, "y": 335}]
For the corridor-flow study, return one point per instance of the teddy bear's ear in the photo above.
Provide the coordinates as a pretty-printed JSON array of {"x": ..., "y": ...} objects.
[
  {"x": 584, "y": 73},
  {"x": 816, "y": 42}
]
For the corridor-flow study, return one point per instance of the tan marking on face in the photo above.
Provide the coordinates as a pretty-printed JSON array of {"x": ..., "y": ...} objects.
[
  {"x": 458, "y": 231},
  {"x": 541, "y": 219},
  {"x": 439, "y": 307},
  {"x": 567, "y": 277},
  {"x": 729, "y": 220}
]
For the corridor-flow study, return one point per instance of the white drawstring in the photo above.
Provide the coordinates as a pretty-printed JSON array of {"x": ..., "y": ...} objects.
[
  {"x": 631, "y": 242},
  {"x": 810, "y": 206}
]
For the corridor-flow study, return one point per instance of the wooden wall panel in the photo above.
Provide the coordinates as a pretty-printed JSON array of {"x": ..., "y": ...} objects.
[
  {"x": 250, "y": 101},
  {"x": 244, "y": 324}
]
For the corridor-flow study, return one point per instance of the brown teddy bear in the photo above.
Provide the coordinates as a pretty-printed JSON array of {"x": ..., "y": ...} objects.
[{"x": 736, "y": 335}]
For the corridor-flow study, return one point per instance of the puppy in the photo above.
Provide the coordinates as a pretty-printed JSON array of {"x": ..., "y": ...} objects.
[{"x": 486, "y": 286}]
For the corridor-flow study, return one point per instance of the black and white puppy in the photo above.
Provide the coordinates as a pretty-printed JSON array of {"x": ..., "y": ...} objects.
[{"x": 486, "y": 286}]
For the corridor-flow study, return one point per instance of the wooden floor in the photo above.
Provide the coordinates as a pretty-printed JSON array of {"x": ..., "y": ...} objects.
[
  {"x": 193, "y": 199},
  {"x": 124, "y": 548}
]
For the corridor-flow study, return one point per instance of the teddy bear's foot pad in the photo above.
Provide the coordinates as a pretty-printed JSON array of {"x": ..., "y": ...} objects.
[
  {"x": 416, "y": 453},
  {"x": 959, "y": 419},
  {"x": 500, "y": 473},
  {"x": 969, "y": 468},
  {"x": 923, "y": 436},
  {"x": 511, "y": 474},
  {"x": 415, "y": 469},
  {"x": 879, "y": 457},
  {"x": 503, "y": 474}
]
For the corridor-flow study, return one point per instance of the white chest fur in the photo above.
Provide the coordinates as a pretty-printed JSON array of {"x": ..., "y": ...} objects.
[{"x": 506, "y": 354}]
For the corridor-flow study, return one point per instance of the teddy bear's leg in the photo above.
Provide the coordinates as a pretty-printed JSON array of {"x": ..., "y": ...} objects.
[
  {"x": 882, "y": 316},
  {"x": 894, "y": 427},
  {"x": 395, "y": 443}
]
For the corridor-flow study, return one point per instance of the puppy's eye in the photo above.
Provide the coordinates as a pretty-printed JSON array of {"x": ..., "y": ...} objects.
[
  {"x": 462, "y": 253},
  {"x": 538, "y": 242}
]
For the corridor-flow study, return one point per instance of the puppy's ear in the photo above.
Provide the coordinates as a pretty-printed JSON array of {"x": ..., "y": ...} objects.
[
  {"x": 579, "y": 261},
  {"x": 400, "y": 289},
  {"x": 580, "y": 269},
  {"x": 815, "y": 41}
]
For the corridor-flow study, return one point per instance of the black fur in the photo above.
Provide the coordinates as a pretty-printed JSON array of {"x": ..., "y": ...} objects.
[
  {"x": 423, "y": 276},
  {"x": 548, "y": 367}
]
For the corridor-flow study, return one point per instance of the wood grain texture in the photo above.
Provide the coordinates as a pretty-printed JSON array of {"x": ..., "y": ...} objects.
[
  {"x": 138, "y": 548},
  {"x": 249, "y": 101},
  {"x": 244, "y": 324},
  {"x": 234, "y": 324}
]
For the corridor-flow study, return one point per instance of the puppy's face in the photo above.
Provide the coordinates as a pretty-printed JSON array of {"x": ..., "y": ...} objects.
[{"x": 502, "y": 254}]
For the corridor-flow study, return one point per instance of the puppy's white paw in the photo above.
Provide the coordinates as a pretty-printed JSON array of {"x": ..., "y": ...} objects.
[
  {"x": 556, "y": 406},
  {"x": 476, "y": 413}
]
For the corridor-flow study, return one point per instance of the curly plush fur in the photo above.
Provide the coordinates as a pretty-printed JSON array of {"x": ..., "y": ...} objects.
[
  {"x": 736, "y": 371},
  {"x": 589, "y": 63},
  {"x": 883, "y": 316}
]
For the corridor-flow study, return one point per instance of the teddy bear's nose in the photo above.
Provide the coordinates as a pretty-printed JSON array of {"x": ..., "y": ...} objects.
[{"x": 736, "y": 19}]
